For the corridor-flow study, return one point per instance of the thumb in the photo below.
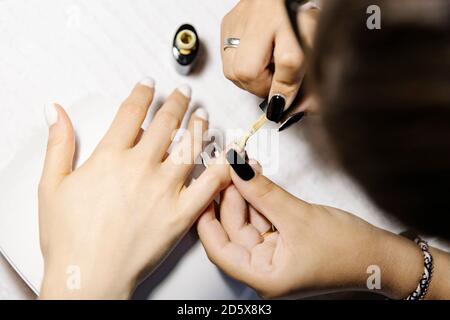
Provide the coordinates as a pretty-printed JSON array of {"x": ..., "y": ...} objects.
[
  {"x": 60, "y": 147},
  {"x": 276, "y": 204},
  {"x": 256, "y": 166}
]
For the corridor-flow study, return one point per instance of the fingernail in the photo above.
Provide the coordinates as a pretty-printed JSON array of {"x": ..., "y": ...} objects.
[
  {"x": 242, "y": 168},
  {"x": 291, "y": 120},
  {"x": 275, "y": 108},
  {"x": 263, "y": 105},
  {"x": 185, "y": 90},
  {"x": 202, "y": 114},
  {"x": 255, "y": 165},
  {"x": 211, "y": 152},
  {"x": 51, "y": 114},
  {"x": 148, "y": 82}
]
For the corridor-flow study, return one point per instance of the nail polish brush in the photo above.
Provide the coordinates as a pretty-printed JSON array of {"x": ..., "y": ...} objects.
[{"x": 258, "y": 124}]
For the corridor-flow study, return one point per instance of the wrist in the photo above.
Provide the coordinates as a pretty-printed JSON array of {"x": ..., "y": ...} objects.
[
  {"x": 73, "y": 282},
  {"x": 401, "y": 264}
]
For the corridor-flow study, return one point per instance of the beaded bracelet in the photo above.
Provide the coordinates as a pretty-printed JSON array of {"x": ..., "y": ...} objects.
[{"x": 425, "y": 281}]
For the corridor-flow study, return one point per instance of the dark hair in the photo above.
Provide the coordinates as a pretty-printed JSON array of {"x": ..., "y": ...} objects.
[{"x": 385, "y": 97}]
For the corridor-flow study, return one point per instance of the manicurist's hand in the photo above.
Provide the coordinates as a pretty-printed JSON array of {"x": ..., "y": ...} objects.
[
  {"x": 315, "y": 249},
  {"x": 113, "y": 219},
  {"x": 268, "y": 61}
]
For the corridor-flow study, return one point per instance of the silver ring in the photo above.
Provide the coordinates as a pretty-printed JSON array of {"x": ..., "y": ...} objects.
[{"x": 231, "y": 43}]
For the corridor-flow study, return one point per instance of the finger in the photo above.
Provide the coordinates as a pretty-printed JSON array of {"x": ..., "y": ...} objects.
[
  {"x": 211, "y": 231},
  {"x": 227, "y": 64},
  {"x": 255, "y": 218},
  {"x": 138, "y": 136},
  {"x": 60, "y": 148},
  {"x": 256, "y": 166},
  {"x": 230, "y": 29},
  {"x": 307, "y": 22},
  {"x": 277, "y": 205},
  {"x": 183, "y": 156},
  {"x": 158, "y": 137},
  {"x": 127, "y": 123},
  {"x": 227, "y": 30},
  {"x": 288, "y": 75},
  {"x": 201, "y": 192},
  {"x": 251, "y": 62},
  {"x": 258, "y": 221},
  {"x": 230, "y": 257},
  {"x": 234, "y": 219},
  {"x": 228, "y": 58}
]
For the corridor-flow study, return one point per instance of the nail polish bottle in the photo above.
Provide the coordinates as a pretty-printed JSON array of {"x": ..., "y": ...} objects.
[{"x": 185, "y": 48}]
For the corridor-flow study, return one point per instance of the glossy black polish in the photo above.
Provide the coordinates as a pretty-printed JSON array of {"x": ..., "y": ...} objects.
[
  {"x": 291, "y": 120},
  {"x": 275, "y": 108},
  {"x": 240, "y": 166},
  {"x": 264, "y": 105}
]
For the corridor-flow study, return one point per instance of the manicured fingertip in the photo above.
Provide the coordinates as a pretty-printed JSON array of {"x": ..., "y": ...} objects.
[
  {"x": 240, "y": 167},
  {"x": 51, "y": 114},
  {"x": 291, "y": 121},
  {"x": 202, "y": 114},
  {"x": 276, "y": 107},
  {"x": 148, "y": 82},
  {"x": 185, "y": 90},
  {"x": 256, "y": 166}
]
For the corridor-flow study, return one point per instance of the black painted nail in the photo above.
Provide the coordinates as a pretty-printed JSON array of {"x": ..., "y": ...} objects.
[
  {"x": 242, "y": 168},
  {"x": 276, "y": 108},
  {"x": 296, "y": 117},
  {"x": 246, "y": 158},
  {"x": 264, "y": 105}
]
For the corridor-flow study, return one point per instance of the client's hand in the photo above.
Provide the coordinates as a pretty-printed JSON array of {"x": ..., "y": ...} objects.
[
  {"x": 315, "y": 249},
  {"x": 116, "y": 217}
]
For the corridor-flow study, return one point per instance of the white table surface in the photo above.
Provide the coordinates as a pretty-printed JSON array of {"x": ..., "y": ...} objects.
[{"x": 65, "y": 50}]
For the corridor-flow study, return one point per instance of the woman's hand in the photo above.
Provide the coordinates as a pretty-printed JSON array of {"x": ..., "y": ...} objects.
[
  {"x": 315, "y": 249},
  {"x": 268, "y": 62},
  {"x": 117, "y": 216}
]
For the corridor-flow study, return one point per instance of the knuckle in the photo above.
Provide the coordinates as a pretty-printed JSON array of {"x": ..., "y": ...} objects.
[
  {"x": 265, "y": 189},
  {"x": 245, "y": 73},
  {"x": 228, "y": 73},
  {"x": 132, "y": 109},
  {"x": 168, "y": 119},
  {"x": 291, "y": 60}
]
